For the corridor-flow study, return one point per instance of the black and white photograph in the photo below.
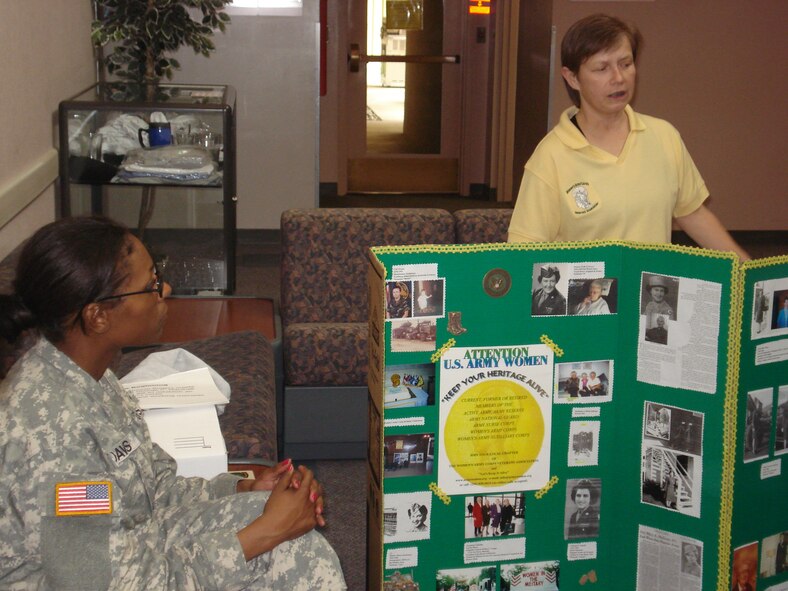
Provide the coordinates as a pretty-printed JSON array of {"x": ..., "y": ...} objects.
[
  {"x": 781, "y": 418},
  {"x": 674, "y": 428},
  {"x": 659, "y": 332},
  {"x": 428, "y": 298},
  {"x": 659, "y": 297},
  {"x": 671, "y": 480},
  {"x": 583, "y": 443},
  {"x": 758, "y": 424},
  {"x": 406, "y": 516},
  {"x": 590, "y": 297},
  {"x": 691, "y": 559},
  {"x": 490, "y": 516},
  {"x": 581, "y": 517},
  {"x": 584, "y": 382},
  {"x": 761, "y": 304},
  {"x": 549, "y": 288},
  {"x": 398, "y": 450}
]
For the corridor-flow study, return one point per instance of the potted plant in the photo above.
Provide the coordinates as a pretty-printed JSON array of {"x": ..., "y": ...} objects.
[{"x": 143, "y": 33}]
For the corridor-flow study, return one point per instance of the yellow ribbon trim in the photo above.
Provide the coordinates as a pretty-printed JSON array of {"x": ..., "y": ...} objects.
[{"x": 439, "y": 493}]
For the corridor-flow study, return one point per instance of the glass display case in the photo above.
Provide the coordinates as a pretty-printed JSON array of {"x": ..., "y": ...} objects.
[{"x": 161, "y": 160}]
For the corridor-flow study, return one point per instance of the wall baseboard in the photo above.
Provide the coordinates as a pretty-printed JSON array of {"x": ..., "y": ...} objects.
[{"x": 21, "y": 190}]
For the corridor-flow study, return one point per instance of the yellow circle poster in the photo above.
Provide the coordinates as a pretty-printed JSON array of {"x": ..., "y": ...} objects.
[
  {"x": 494, "y": 433},
  {"x": 495, "y": 419}
]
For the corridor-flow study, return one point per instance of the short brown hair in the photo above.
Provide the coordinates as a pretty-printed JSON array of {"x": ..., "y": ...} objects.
[{"x": 591, "y": 35}]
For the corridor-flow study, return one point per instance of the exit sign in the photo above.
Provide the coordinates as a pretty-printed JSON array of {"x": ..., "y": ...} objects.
[{"x": 479, "y": 6}]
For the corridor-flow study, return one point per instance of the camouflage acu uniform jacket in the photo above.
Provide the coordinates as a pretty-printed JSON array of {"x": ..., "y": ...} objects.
[{"x": 59, "y": 426}]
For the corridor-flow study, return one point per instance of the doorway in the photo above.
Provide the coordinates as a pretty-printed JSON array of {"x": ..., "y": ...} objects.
[{"x": 411, "y": 73}]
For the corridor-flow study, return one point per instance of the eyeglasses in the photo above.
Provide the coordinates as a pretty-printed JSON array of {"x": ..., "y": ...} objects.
[{"x": 158, "y": 287}]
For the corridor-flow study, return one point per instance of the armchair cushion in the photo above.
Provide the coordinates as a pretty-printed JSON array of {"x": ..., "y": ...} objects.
[
  {"x": 482, "y": 226},
  {"x": 324, "y": 256},
  {"x": 320, "y": 354}
]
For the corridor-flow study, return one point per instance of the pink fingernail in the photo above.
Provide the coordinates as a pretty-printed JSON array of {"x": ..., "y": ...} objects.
[{"x": 313, "y": 496}]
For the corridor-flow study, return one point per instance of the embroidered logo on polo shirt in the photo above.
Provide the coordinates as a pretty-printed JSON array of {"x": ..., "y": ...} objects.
[{"x": 580, "y": 193}]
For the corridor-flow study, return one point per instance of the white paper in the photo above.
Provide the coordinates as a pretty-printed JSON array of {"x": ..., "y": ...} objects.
[
  {"x": 668, "y": 561},
  {"x": 688, "y": 357},
  {"x": 404, "y": 272},
  {"x": 402, "y": 557},
  {"x": 495, "y": 549},
  {"x": 772, "y": 352},
  {"x": 581, "y": 551},
  {"x": 771, "y": 469},
  {"x": 180, "y": 389},
  {"x": 191, "y": 435}
]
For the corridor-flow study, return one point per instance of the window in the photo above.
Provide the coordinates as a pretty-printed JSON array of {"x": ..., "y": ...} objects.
[{"x": 266, "y": 7}]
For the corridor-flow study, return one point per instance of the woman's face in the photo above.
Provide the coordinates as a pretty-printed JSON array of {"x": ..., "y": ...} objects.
[
  {"x": 657, "y": 293},
  {"x": 690, "y": 554},
  {"x": 595, "y": 292},
  {"x": 606, "y": 80},
  {"x": 582, "y": 498},
  {"x": 139, "y": 319},
  {"x": 548, "y": 283}
]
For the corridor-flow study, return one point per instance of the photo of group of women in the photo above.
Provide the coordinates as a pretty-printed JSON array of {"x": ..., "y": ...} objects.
[
  {"x": 495, "y": 515},
  {"x": 589, "y": 382},
  {"x": 672, "y": 460},
  {"x": 588, "y": 292},
  {"x": 761, "y": 413}
]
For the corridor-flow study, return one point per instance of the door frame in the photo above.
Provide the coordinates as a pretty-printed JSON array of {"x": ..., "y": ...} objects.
[{"x": 481, "y": 114}]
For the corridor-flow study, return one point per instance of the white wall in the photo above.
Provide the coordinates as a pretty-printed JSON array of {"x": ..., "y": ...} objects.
[
  {"x": 47, "y": 57},
  {"x": 272, "y": 61}
]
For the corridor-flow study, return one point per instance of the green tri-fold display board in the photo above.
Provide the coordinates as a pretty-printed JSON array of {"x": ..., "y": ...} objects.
[{"x": 602, "y": 415}]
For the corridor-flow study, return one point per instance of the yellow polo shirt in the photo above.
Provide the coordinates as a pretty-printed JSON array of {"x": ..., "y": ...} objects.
[{"x": 573, "y": 191}]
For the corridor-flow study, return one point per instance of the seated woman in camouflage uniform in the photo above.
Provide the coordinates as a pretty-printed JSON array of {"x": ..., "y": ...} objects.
[{"x": 75, "y": 513}]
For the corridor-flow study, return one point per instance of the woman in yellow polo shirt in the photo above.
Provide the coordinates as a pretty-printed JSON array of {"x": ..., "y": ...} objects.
[{"x": 605, "y": 171}]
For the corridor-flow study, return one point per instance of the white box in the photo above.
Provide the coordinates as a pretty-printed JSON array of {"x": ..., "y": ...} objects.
[{"x": 191, "y": 435}]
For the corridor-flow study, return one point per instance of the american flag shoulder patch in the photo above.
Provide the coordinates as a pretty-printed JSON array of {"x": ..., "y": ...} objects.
[{"x": 83, "y": 498}]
